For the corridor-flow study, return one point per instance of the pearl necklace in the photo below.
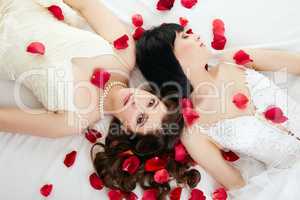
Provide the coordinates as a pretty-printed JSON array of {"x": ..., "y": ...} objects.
[{"x": 106, "y": 91}]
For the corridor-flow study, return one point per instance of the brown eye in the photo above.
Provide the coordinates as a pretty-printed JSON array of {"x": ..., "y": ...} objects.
[
  {"x": 151, "y": 103},
  {"x": 140, "y": 119}
]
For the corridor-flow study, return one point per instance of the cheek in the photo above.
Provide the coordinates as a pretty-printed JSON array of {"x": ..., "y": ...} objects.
[
  {"x": 127, "y": 115},
  {"x": 186, "y": 46},
  {"x": 185, "y": 50}
]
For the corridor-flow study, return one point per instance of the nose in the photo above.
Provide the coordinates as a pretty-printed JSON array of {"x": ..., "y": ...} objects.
[{"x": 136, "y": 104}]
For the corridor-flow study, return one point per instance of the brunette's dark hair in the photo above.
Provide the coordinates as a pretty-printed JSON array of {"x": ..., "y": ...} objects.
[
  {"x": 156, "y": 59},
  {"x": 108, "y": 162}
]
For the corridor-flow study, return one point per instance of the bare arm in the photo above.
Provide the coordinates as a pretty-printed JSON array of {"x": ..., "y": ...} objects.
[
  {"x": 45, "y": 124},
  {"x": 209, "y": 156},
  {"x": 107, "y": 25},
  {"x": 270, "y": 60}
]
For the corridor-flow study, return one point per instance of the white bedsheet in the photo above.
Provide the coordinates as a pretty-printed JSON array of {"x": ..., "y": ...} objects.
[{"x": 26, "y": 163}]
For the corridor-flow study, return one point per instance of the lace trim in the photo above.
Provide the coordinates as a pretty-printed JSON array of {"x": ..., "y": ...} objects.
[{"x": 250, "y": 74}]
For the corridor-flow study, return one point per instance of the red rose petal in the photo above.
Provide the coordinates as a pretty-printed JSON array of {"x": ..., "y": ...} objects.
[
  {"x": 180, "y": 152},
  {"x": 219, "y": 30},
  {"x": 280, "y": 120},
  {"x": 131, "y": 196},
  {"x": 131, "y": 164},
  {"x": 156, "y": 163},
  {"x": 218, "y": 27},
  {"x": 163, "y": 5},
  {"x": 186, "y": 103},
  {"x": 100, "y": 78},
  {"x": 197, "y": 194},
  {"x": 150, "y": 194},
  {"x": 190, "y": 116},
  {"x": 218, "y": 23},
  {"x": 240, "y": 100},
  {"x": 137, "y": 20},
  {"x": 183, "y": 21},
  {"x": 188, "y": 3},
  {"x": 219, "y": 39},
  {"x": 161, "y": 176},
  {"x": 36, "y": 48},
  {"x": 90, "y": 137},
  {"x": 220, "y": 194},
  {"x": 242, "y": 58},
  {"x": 219, "y": 42},
  {"x": 275, "y": 114},
  {"x": 115, "y": 195},
  {"x": 96, "y": 182},
  {"x": 96, "y": 133},
  {"x": 175, "y": 193},
  {"x": 56, "y": 12},
  {"x": 189, "y": 31},
  {"x": 46, "y": 190},
  {"x": 121, "y": 42},
  {"x": 70, "y": 159},
  {"x": 138, "y": 33},
  {"x": 230, "y": 156}
]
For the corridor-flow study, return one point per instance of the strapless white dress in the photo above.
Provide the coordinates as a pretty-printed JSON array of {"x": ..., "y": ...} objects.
[
  {"x": 277, "y": 148},
  {"x": 50, "y": 76}
]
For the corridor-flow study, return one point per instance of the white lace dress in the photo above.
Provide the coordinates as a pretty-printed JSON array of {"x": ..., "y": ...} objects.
[
  {"x": 48, "y": 76},
  {"x": 276, "y": 146}
]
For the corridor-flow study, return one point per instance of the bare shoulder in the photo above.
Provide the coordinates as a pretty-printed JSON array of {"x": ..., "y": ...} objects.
[
  {"x": 189, "y": 133},
  {"x": 231, "y": 71},
  {"x": 193, "y": 140},
  {"x": 194, "y": 135}
]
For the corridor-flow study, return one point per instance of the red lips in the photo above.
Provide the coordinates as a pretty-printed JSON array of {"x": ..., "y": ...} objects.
[{"x": 126, "y": 99}]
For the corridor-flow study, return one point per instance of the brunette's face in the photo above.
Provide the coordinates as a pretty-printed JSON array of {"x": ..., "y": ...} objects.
[
  {"x": 191, "y": 50},
  {"x": 141, "y": 111}
]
